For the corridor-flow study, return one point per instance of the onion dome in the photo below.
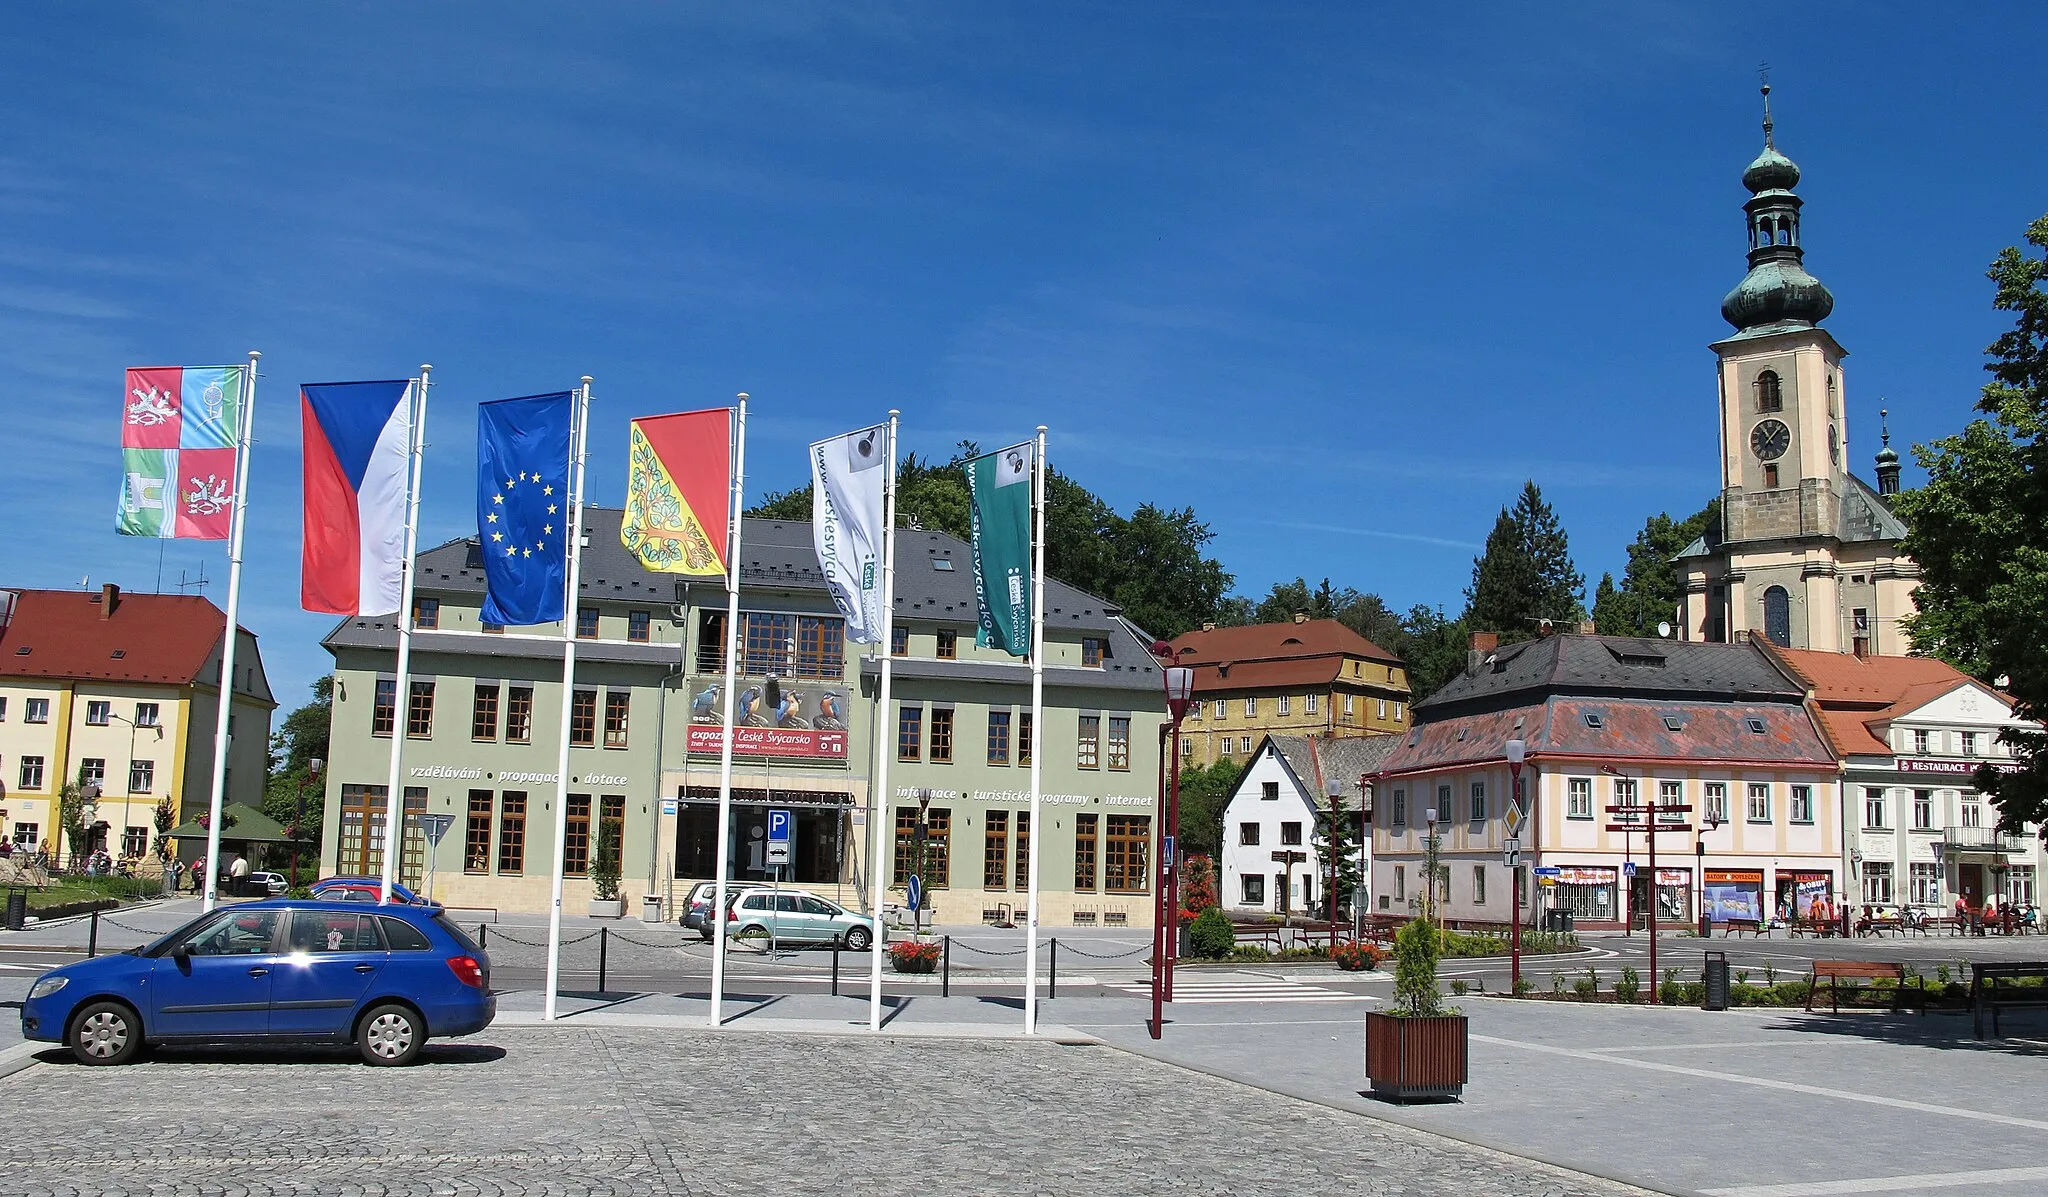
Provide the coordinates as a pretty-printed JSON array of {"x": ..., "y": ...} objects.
[
  {"x": 1771, "y": 171},
  {"x": 1777, "y": 292}
]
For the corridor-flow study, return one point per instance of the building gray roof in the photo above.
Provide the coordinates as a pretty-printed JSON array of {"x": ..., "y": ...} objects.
[
  {"x": 1315, "y": 760},
  {"x": 1612, "y": 667}
]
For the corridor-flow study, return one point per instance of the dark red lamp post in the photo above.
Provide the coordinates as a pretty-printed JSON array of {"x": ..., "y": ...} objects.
[{"x": 1180, "y": 692}]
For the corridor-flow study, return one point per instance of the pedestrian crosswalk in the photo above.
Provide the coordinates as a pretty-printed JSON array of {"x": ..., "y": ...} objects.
[{"x": 1243, "y": 989}]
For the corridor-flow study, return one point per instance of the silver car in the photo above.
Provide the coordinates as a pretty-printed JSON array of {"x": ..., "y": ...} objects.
[{"x": 796, "y": 917}]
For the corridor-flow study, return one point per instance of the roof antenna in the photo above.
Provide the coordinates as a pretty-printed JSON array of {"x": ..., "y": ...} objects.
[{"x": 1763, "y": 72}]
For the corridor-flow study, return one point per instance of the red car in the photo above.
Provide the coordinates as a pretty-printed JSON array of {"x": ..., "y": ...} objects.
[{"x": 364, "y": 889}]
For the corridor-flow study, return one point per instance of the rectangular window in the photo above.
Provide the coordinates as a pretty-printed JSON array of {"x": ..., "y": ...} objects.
[
  {"x": 899, "y": 641},
  {"x": 3, "y": 709},
  {"x": 92, "y": 771},
  {"x": 1187, "y": 746},
  {"x": 1091, "y": 652},
  {"x": 1290, "y": 835},
  {"x": 141, "y": 777},
  {"x": 1088, "y": 743},
  {"x": 1877, "y": 881},
  {"x": 426, "y": 613},
  {"x": 519, "y": 715},
  {"x": 135, "y": 841},
  {"x": 1717, "y": 802},
  {"x": 1925, "y": 879},
  {"x": 617, "y": 704},
  {"x": 1400, "y": 883},
  {"x": 586, "y": 623},
  {"x": 35, "y": 710},
  {"x": 491, "y": 629},
  {"x": 1120, "y": 741},
  {"x": 1479, "y": 885},
  {"x": 949, "y": 644},
  {"x": 1253, "y": 888},
  {"x": 1446, "y": 805},
  {"x": 1973, "y": 815},
  {"x": 1023, "y": 737},
  {"x": 583, "y": 719},
  {"x": 1269, "y": 791},
  {"x": 419, "y": 712},
  {"x": 1969, "y": 743},
  {"x": 1625, "y": 795},
  {"x": 1023, "y": 871},
  {"x": 1220, "y": 704},
  {"x": 576, "y": 837},
  {"x": 384, "y": 707},
  {"x": 476, "y": 834},
  {"x": 483, "y": 713},
  {"x": 910, "y": 733},
  {"x": 995, "y": 849},
  {"x": 1126, "y": 853},
  {"x": 1382, "y": 708},
  {"x": 1308, "y": 703},
  {"x": 31, "y": 774},
  {"x": 1578, "y": 801},
  {"x": 1670, "y": 796},
  {"x": 1759, "y": 810},
  {"x": 1084, "y": 852},
  {"x": 937, "y": 859},
  {"x": 1920, "y": 743},
  {"x": 25, "y": 834},
  {"x": 1245, "y": 744},
  {"x": 1802, "y": 804},
  {"x": 1283, "y": 705},
  {"x": 512, "y": 831},
  {"x": 999, "y": 737},
  {"x": 1923, "y": 810},
  {"x": 145, "y": 714},
  {"x": 1478, "y": 812},
  {"x": 97, "y": 712},
  {"x": 942, "y": 735},
  {"x": 1251, "y": 708},
  {"x": 1873, "y": 808},
  {"x": 1248, "y": 834},
  {"x": 639, "y": 626},
  {"x": 1400, "y": 817},
  {"x": 1350, "y": 704},
  {"x": 2019, "y": 884}
]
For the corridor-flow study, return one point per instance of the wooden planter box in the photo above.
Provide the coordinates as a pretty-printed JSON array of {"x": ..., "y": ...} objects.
[{"x": 1409, "y": 1058}]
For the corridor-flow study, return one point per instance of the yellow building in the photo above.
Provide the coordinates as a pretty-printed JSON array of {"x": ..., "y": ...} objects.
[
  {"x": 120, "y": 692},
  {"x": 1311, "y": 677}
]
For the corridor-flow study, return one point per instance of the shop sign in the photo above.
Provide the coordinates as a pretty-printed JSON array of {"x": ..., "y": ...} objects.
[
  {"x": 1735, "y": 877},
  {"x": 450, "y": 772},
  {"x": 1584, "y": 875},
  {"x": 1914, "y": 764},
  {"x": 604, "y": 779},
  {"x": 770, "y": 741},
  {"x": 1674, "y": 877}
]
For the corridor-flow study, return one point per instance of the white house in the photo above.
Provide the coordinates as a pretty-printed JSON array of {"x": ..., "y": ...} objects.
[{"x": 1269, "y": 860}]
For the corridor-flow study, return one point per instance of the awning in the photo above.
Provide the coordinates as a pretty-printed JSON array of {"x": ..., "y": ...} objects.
[{"x": 240, "y": 824}]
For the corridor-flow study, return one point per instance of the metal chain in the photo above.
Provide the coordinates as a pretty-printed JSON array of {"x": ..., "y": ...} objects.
[
  {"x": 985, "y": 951},
  {"x": 529, "y": 943},
  {"x": 1111, "y": 955},
  {"x": 653, "y": 943}
]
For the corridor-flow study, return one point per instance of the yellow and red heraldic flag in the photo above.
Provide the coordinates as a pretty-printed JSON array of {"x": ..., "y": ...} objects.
[{"x": 678, "y": 492}]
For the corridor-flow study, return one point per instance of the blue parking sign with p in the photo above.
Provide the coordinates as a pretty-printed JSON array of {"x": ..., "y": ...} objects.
[{"x": 778, "y": 826}]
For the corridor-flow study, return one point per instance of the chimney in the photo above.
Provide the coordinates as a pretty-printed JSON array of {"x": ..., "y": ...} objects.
[
  {"x": 1483, "y": 643},
  {"x": 1301, "y": 617},
  {"x": 110, "y": 595},
  {"x": 1742, "y": 636},
  {"x": 1588, "y": 628}
]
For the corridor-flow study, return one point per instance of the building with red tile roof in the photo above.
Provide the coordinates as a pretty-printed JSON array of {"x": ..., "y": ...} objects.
[
  {"x": 120, "y": 691},
  {"x": 1310, "y": 677}
]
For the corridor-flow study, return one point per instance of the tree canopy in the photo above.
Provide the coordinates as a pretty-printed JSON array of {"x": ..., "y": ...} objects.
[
  {"x": 1526, "y": 575},
  {"x": 1979, "y": 532},
  {"x": 1650, "y": 588}
]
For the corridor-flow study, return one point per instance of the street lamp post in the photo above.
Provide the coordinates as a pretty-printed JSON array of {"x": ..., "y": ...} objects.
[
  {"x": 1517, "y": 751},
  {"x": 1335, "y": 790},
  {"x": 299, "y": 814},
  {"x": 1699, "y": 868},
  {"x": 1429, "y": 867},
  {"x": 1179, "y": 682}
]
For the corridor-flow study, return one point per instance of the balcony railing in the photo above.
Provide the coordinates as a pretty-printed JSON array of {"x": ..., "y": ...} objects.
[{"x": 1982, "y": 839}]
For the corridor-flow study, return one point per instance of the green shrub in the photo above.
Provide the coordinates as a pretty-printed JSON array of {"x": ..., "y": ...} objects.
[
  {"x": 1557, "y": 983},
  {"x": 1588, "y": 986},
  {"x": 1630, "y": 986},
  {"x": 1249, "y": 951},
  {"x": 1210, "y": 936},
  {"x": 1524, "y": 986},
  {"x": 1667, "y": 991},
  {"x": 1458, "y": 988},
  {"x": 1415, "y": 957}
]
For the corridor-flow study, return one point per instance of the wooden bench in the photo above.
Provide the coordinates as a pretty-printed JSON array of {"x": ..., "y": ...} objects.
[
  {"x": 1994, "y": 987},
  {"x": 1752, "y": 926},
  {"x": 1257, "y": 935},
  {"x": 1834, "y": 972}
]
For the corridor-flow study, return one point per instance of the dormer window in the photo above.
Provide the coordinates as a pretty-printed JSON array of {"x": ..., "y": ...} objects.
[
  {"x": 1595, "y": 721},
  {"x": 1754, "y": 724},
  {"x": 1769, "y": 397}
]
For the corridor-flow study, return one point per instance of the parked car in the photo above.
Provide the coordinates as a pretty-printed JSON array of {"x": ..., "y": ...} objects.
[
  {"x": 362, "y": 889},
  {"x": 271, "y": 885},
  {"x": 697, "y": 904},
  {"x": 386, "y": 980},
  {"x": 795, "y": 916}
]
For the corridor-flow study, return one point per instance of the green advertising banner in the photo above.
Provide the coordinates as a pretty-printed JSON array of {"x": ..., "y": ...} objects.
[{"x": 999, "y": 489}]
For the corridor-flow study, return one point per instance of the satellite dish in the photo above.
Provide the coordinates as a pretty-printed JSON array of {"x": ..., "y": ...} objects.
[{"x": 1664, "y": 630}]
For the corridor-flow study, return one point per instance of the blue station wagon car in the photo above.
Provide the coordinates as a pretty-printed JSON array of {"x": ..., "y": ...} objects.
[{"x": 386, "y": 979}]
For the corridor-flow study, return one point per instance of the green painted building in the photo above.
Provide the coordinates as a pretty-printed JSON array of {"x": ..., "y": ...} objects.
[{"x": 479, "y": 737}]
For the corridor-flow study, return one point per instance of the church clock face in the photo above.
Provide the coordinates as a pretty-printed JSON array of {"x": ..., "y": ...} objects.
[
  {"x": 1834, "y": 444},
  {"x": 1769, "y": 439}
]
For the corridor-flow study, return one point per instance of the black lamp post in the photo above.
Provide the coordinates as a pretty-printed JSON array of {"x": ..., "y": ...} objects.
[{"x": 1335, "y": 791}]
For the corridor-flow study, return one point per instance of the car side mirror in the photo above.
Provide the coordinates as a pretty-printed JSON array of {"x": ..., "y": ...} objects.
[{"x": 182, "y": 953}]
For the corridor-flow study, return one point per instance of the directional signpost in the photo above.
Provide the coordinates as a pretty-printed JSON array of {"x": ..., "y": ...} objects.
[
  {"x": 1646, "y": 819},
  {"x": 435, "y": 827}
]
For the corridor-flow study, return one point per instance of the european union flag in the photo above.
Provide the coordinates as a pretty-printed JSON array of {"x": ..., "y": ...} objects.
[{"x": 522, "y": 506}]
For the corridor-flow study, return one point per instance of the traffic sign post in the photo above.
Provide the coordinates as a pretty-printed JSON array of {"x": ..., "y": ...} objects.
[
  {"x": 780, "y": 825},
  {"x": 1645, "y": 818},
  {"x": 435, "y": 826}
]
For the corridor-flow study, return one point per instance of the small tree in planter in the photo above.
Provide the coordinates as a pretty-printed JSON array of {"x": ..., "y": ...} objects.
[
  {"x": 1418, "y": 1048},
  {"x": 1211, "y": 936},
  {"x": 604, "y": 873}
]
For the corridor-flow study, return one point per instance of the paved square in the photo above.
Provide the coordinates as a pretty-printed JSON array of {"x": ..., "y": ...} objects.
[{"x": 641, "y": 1111}]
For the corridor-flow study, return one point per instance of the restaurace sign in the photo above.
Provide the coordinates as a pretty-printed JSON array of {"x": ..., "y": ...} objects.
[{"x": 1911, "y": 764}]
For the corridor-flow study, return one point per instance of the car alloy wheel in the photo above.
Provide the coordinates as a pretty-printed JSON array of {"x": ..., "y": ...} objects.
[
  {"x": 390, "y": 1035},
  {"x": 105, "y": 1033},
  {"x": 858, "y": 939}
]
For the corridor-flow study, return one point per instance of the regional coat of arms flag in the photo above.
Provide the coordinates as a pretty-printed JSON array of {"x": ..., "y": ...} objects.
[
  {"x": 179, "y": 429},
  {"x": 679, "y": 491}
]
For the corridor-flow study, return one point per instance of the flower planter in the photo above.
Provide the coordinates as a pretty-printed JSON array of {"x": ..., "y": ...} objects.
[
  {"x": 1411, "y": 1058},
  {"x": 601, "y": 909}
]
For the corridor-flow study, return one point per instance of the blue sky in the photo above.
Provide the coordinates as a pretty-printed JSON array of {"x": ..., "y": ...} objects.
[{"x": 1338, "y": 276}]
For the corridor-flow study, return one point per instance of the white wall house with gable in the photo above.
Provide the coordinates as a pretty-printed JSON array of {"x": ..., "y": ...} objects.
[{"x": 1269, "y": 812}]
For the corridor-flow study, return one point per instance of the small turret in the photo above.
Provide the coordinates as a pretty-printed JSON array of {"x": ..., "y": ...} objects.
[{"x": 1887, "y": 460}]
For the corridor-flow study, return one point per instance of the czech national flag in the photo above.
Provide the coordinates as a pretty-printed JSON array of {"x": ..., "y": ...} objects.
[{"x": 358, "y": 450}]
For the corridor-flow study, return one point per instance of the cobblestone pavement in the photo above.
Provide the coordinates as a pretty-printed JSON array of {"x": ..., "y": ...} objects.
[{"x": 632, "y": 1111}]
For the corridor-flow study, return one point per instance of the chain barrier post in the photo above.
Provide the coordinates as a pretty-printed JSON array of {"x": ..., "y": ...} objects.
[
  {"x": 946, "y": 968},
  {"x": 604, "y": 940},
  {"x": 835, "y": 968},
  {"x": 483, "y": 935},
  {"x": 1052, "y": 972},
  {"x": 92, "y": 941}
]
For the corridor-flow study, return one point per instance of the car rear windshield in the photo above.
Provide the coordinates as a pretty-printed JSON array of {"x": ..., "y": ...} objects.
[{"x": 456, "y": 933}]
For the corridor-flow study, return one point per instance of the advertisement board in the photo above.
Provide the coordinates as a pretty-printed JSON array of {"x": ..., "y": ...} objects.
[
  {"x": 1734, "y": 894},
  {"x": 770, "y": 741}
]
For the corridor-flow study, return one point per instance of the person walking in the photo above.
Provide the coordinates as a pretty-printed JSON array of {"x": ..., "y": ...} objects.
[
  {"x": 238, "y": 874},
  {"x": 198, "y": 876}
]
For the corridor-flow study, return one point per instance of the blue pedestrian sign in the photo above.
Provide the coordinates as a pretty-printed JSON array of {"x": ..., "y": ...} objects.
[
  {"x": 780, "y": 825},
  {"x": 1166, "y": 846},
  {"x": 1628, "y": 868}
]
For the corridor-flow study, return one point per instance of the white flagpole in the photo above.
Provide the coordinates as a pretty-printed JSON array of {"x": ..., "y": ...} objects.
[
  {"x": 225, "y": 712},
  {"x": 1037, "y": 733},
  {"x": 734, "y": 505},
  {"x": 394, "y": 803},
  {"x": 575, "y": 585},
  {"x": 879, "y": 807}
]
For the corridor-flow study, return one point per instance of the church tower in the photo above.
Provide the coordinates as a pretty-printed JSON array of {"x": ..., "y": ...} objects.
[{"x": 1805, "y": 554}]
